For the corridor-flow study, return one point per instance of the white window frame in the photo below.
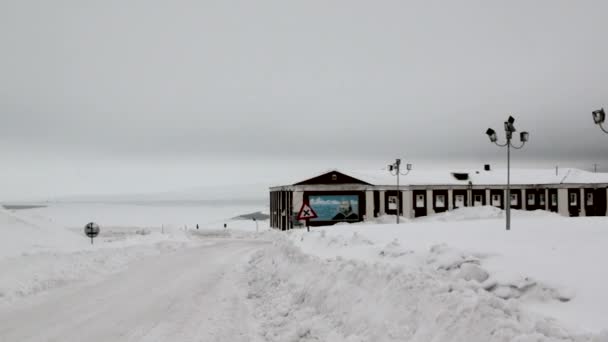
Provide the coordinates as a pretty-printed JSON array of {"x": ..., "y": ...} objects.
[
  {"x": 439, "y": 204},
  {"x": 480, "y": 197},
  {"x": 541, "y": 199},
  {"x": 457, "y": 203},
  {"x": 420, "y": 201},
  {"x": 589, "y": 199},
  {"x": 554, "y": 200},
  {"x": 531, "y": 199},
  {"x": 392, "y": 202},
  {"x": 496, "y": 200},
  {"x": 573, "y": 199},
  {"x": 514, "y": 199}
]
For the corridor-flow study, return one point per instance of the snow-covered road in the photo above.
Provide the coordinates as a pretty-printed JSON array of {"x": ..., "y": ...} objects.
[{"x": 196, "y": 294}]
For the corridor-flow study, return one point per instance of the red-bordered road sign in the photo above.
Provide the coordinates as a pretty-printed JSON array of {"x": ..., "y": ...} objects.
[{"x": 306, "y": 213}]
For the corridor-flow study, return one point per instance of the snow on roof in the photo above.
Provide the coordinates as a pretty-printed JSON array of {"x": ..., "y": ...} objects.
[{"x": 479, "y": 177}]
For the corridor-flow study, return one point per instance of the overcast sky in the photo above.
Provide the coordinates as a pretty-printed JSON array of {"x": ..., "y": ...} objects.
[{"x": 134, "y": 96}]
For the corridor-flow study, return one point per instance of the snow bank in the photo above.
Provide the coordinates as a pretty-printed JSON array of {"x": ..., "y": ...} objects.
[
  {"x": 299, "y": 297},
  {"x": 547, "y": 263}
]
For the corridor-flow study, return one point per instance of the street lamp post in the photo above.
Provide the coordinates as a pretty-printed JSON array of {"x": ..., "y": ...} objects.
[
  {"x": 509, "y": 130},
  {"x": 395, "y": 170},
  {"x": 599, "y": 116}
]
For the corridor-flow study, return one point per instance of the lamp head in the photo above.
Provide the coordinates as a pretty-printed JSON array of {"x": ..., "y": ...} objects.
[
  {"x": 409, "y": 167},
  {"x": 509, "y": 125},
  {"x": 599, "y": 116},
  {"x": 524, "y": 136},
  {"x": 492, "y": 135}
]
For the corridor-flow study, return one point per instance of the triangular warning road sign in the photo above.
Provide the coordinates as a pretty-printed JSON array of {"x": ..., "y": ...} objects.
[{"x": 306, "y": 213}]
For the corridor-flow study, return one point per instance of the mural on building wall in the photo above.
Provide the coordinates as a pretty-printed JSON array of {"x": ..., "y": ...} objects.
[{"x": 335, "y": 207}]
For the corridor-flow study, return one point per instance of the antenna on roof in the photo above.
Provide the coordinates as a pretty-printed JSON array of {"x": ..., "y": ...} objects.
[
  {"x": 556, "y": 170},
  {"x": 595, "y": 168}
]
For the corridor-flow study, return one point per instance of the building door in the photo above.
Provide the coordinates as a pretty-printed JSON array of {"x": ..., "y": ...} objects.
[
  {"x": 479, "y": 198},
  {"x": 440, "y": 201},
  {"x": 531, "y": 198},
  {"x": 541, "y": 199},
  {"x": 419, "y": 203},
  {"x": 516, "y": 199},
  {"x": 553, "y": 200},
  {"x": 496, "y": 199},
  {"x": 460, "y": 199},
  {"x": 600, "y": 201},
  {"x": 393, "y": 200},
  {"x": 589, "y": 202},
  {"x": 574, "y": 202},
  {"x": 376, "y": 203}
]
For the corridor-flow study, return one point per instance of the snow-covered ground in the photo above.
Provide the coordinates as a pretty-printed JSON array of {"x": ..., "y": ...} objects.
[
  {"x": 547, "y": 263},
  {"x": 151, "y": 276},
  {"x": 45, "y": 248}
]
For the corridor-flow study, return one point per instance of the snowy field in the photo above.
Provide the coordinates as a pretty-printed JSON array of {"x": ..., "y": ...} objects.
[{"x": 151, "y": 276}]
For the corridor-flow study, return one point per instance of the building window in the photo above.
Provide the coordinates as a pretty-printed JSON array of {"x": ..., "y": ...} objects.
[
  {"x": 392, "y": 202},
  {"x": 419, "y": 201},
  {"x": 496, "y": 200},
  {"x": 334, "y": 177},
  {"x": 531, "y": 199},
  {"x": 589, "y": 198},
  {"x": 554, "y": 200},
  {"x": 541, "y": 199},
  {"x": 440, "y": 201},
  {"x": 573, "y": 200},
  {"x": 514, "y": 199},
  {"x": 459, "y": 201},
  {"x": 478, "y": 199}
]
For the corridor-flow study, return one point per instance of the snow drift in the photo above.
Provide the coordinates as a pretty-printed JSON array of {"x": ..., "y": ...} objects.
[{"x": 303, "y": 298}]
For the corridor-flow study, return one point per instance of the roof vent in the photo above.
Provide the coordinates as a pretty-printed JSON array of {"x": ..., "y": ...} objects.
[
  {"x": 487, "y": 167},
  {"x": 461, "y": 176},
  {"x": 334, "y": 177}
]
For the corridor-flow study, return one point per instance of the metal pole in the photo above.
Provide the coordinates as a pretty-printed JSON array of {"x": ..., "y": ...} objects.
[{"x": 508, "y": 182}]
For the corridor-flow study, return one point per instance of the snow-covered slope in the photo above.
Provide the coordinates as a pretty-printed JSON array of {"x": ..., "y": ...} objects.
[{"x": 21, "y": 234}]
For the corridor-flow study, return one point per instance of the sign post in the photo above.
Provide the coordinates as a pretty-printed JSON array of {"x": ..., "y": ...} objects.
[
  {"x": 91, "y": 230},
  {"x": 306, "y": 213}
]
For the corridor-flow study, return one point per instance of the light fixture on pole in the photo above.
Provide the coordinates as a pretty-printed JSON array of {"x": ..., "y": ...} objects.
[
  {"x": 599, "y": 116},
  {"x": 523, "y": 136},
  {"x": 395, "y": 170}
]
